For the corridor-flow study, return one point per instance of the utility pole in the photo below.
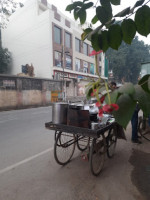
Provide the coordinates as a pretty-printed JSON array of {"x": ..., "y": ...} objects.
[
  {"x": 63, "y": 58},
  {"x": 63, "y": 88}
]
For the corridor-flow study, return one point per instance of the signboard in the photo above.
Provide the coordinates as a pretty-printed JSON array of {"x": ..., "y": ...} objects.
[
  {"x": 9, "y": 84},
  {"x": 85, "y": 67},
  {"x": 55, "y": 96},
  {"x": 77, "y": 64},
  {"x": 72, "y": 76},
  {"x": 65, "y": 74},
  {"x": 91, "y": 68}
]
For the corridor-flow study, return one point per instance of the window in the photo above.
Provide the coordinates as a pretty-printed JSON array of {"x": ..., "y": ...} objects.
[
  {"x": 77, "y": 64},
  {"x": 85, "y": 67},
  {"x": 58, "y": 57},
  {"x": 85, "y": 48},
  {"x": 57, "y": 35},
  {"x": 91, "y": 68},
  {"x": 100, "y": 57},
  {"x": 78, "y": 45},
  {"x": 91, "y": 49},
  {"x": 68, "y": 62},
  {"x": 100, "y": 69},
  {"x": 68, "y": 40}
]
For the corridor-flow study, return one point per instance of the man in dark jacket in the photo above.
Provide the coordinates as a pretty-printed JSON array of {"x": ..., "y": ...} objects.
[{"x": 134, "y": 123}]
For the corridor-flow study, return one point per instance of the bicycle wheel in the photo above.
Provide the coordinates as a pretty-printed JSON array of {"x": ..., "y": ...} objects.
[
  {"x": 82, "y": 142},
  {"x": 64, "y": 147},
  {"x": 97, "y": 155},
  {"x": 144, "y": 129},
  {"x": 111, "y": 142}
]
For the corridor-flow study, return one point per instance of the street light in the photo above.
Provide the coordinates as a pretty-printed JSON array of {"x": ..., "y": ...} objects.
[{"x": 63, "y": 89}]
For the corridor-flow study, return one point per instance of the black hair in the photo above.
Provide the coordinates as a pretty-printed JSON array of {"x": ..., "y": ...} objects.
[{"x": 113, "y": 83}]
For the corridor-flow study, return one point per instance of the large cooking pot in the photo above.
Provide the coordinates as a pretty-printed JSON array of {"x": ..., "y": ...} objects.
[
  {"x": 59, "y": 113},
  {"x": 76, "y": 106}
]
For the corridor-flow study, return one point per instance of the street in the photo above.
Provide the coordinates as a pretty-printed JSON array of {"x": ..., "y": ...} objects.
[{"x": 28, "y": 170}]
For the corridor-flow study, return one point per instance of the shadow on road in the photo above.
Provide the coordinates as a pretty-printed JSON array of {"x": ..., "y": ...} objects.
[{"x": 141, "y": 173}]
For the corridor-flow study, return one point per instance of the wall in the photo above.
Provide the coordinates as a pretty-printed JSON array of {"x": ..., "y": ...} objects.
[{"x": 19, "y": 92}]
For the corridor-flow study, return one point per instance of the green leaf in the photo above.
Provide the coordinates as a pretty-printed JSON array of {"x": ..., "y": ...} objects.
[
  {"x": 103, "y": 14},
  {"x": 95, "y": 19},
  {"x": 139, "y": 3},
  {"x": 106, "y": 4},
  {"x": 128, "y": 30},
  {"x": 145, "y": 83},
  {"x": 103, "y": 41},
  {"x": 143, "y": 99},
  {"x": 126, "y": 108},
  {"x": 82, "y": 16},
  {"x": 97, "y": 30},
  {"x": 123, "y": 13},
  {"x": 142, "y": 20},
  {"x": 127, "y": 88},
  {"x": 115, "y": 2},
  {"x": 88, "y": 5},
  {"x": 115, "y": 36},
  {"x": 78, "y": 3},
  {"x": 70, "y": 7},
  {"x": 88, "y": 93},
  {"x": 76, "y": 16},
  {"x": 113, "y": 96},
  {"x": 85, "y": 33},
  {"x": 95, "y": 42}
]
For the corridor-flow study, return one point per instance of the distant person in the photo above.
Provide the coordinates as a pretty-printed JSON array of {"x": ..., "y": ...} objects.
[
  {"x": 134, "y": 124},
  {"x": 113, "y": 85}
]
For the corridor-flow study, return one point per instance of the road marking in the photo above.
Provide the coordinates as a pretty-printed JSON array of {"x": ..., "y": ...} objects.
[{"x": 25, "y": 161}]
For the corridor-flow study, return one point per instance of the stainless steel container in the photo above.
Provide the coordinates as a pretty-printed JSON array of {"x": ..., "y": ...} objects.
[
  {"x": 59, "y": 113},
  {"x": 76, "y": 106},
  {"x": 94, "y": 126}
]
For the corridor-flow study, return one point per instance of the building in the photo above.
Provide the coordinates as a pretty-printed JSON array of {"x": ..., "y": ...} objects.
[
  {"x": 40, "y": 34},
  {"x": 145, "y": 69}
]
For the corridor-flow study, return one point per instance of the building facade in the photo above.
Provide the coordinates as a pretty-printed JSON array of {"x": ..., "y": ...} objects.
[{"x": 39, "y": 34}]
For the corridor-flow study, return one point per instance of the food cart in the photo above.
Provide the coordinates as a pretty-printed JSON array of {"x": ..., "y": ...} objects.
[{"x": 96, "y": 140}]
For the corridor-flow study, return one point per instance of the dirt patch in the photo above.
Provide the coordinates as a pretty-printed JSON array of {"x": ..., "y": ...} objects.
[{"x": 140, "y": 175}]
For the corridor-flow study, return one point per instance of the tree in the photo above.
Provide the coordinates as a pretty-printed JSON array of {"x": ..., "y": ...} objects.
[
  {"x": 126, "y": 62},
  {"x": 4, "y": 60},
  {"x": 111, "y": 33},
  {"x": 7, "y": 7}
]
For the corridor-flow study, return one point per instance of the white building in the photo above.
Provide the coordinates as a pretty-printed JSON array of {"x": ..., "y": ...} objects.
[{"x": 39, "y": 34}]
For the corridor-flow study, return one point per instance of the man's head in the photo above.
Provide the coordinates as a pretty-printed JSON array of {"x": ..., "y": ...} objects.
[{"x": 113, "y": 85}]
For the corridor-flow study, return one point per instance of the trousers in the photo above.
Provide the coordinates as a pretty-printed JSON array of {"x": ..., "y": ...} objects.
[{"x": 134, "y": 124}]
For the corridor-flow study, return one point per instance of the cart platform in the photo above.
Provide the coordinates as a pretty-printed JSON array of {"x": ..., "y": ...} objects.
[{"x": 79, "y": 130}]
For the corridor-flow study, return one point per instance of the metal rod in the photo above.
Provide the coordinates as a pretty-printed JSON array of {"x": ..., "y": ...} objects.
[{"x": 63, "y": 89}]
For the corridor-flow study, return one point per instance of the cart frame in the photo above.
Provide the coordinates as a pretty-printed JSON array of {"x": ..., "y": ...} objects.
[{"x": 95, "y": 141}]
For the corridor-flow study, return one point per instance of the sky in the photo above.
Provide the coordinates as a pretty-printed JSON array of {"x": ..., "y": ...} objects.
[{"x": 61, "y": 5}]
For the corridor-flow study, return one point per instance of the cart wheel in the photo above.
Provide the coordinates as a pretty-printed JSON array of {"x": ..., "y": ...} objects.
[
  {"x": 82, "y": 142},
  {"x": 97, "y": 155},
  {"x": 111, "y": 142},
  {"x": 64, "y": 147}
]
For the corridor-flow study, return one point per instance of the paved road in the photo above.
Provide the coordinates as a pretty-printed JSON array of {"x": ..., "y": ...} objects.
[
  {"x": 28, "y": 170},
  {"x": 22, "y": 134}
]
